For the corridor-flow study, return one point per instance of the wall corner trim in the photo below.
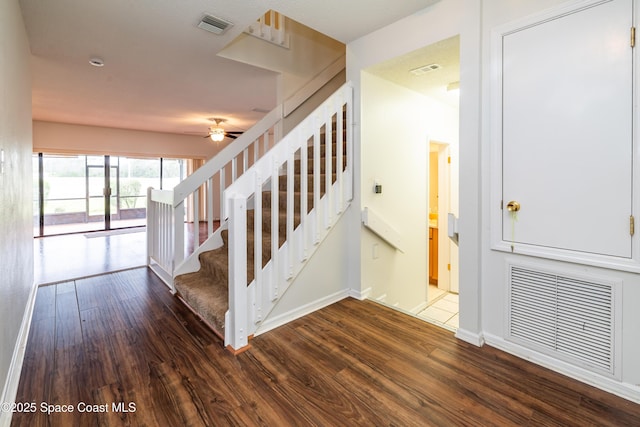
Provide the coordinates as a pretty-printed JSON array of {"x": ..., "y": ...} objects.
[
  {"x": 476, "y": 339},
  {"x": 360, "y": 294}
]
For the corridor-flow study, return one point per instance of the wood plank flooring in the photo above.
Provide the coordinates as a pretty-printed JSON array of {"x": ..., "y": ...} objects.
[{"x": 121, "y": 342}]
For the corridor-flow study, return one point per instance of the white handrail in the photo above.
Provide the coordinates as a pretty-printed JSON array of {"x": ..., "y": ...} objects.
[{"x": 320, "y": 130}]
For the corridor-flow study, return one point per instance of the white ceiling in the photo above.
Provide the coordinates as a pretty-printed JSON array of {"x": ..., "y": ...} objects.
[
  {"x": 445, "y": 53},
  {"x": 161, "y": 72}
]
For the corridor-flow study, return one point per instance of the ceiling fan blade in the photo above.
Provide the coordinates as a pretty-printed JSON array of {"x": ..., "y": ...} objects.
[
  {"x": 235, "y": 132},
  {"x": 230, "y": 135}
]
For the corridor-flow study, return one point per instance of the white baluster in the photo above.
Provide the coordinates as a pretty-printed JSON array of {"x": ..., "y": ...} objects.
[
  {"x": 304, "y": 196},
  {"x": 275, "y": 240},
  {"x": 290, "y": 211},
  {"x": 328, "y": 177},
  {"x": 316, "y": 180},
  {"x": 238, "y": 272},
  {"x": 222, "y": 173},
  {"x": 209, "y": 207},
  {"x": 257, "y": 245}
]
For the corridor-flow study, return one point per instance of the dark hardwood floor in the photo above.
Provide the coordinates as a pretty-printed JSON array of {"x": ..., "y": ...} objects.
[{"x": 121, "y": 342}]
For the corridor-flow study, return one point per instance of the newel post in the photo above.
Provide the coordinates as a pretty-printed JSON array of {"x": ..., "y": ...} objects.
[{"x": 238, "y": 316}]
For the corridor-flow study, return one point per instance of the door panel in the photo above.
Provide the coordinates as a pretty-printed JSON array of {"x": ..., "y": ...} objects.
[{"x": 567, "y": 131}]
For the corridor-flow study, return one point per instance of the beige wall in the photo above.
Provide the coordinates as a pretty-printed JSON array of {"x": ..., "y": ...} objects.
[
  {"x": 397, "y": 125},
  {"x": 16, "y": 238},
  {"x": 49, "y": 137}
]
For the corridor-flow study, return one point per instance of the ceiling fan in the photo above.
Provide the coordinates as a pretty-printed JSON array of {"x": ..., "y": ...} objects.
[{"x": 217, "y": 132}]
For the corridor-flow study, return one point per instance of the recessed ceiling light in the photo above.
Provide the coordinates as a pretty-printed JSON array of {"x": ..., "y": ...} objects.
[{"x": 96, "y": 62}]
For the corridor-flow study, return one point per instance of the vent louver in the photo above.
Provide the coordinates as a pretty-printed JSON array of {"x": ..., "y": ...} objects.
[
  {"x": 214, "y": 24},
  {"x": 425, "y": 69},
  {"x": 569, "y": 317}
]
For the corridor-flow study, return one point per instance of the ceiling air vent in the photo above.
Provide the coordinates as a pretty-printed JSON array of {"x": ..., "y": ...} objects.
[
  {"x": 214, "y": 24},
  {"x": 425, "y": 69}
]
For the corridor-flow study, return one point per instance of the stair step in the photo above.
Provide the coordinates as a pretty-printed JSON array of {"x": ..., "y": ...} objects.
[
  {"x": 206, "y": 296},
  {"x": 323, "y": 165},
  {"x": 282, "y": 200},
  {"x": 323, "y": 149},
  {"x": 282, "y": 183}
]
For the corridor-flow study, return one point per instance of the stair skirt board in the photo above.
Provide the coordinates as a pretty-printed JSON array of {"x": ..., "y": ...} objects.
[
  {"x": 573, "y": 318},
  {"x": 213, "y": 329},
  {"x": 218, "y": 333}
]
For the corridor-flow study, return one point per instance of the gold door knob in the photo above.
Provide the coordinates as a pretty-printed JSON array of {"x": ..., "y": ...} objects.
[{"x": 513, "y": 206}]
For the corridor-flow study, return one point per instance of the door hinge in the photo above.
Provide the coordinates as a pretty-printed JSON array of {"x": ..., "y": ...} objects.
[
  {"x": 633, "y": 36},
  {"x": 501, "y": 204},
  {"x": 632, "y": 225},
  {"x": 449, "y": 159},
  {"x": 449, "y": 267}
]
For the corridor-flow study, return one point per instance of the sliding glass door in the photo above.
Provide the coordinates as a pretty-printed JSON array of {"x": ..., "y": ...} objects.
[{"x": 90, "y": 193}]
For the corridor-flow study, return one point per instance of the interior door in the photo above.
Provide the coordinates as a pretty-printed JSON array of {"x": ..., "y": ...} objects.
[{"x": 567, "y": 131}]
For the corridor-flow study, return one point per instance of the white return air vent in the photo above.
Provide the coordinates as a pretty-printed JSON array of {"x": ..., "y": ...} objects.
[
  {"x": 570, "y": 318},
  {"x": 214, "y": 24}
]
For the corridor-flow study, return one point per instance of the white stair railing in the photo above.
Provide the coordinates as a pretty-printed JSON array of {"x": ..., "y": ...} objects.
[
  {"x": 327, "y": 129},
  {"x": 271, "y": 28},
  {"x": 168, "y": 252}
]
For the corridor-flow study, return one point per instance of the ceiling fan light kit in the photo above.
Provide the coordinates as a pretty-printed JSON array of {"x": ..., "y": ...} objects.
[{"x": 216, "y": 133}]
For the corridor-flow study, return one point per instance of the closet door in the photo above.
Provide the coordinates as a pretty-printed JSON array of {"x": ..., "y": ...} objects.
[{"x": 567, "y": 131}]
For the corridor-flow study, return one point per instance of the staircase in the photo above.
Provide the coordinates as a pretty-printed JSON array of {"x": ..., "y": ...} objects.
[
  {"x": 274, "y": 216},
  {"x": 206, "y": 291}
]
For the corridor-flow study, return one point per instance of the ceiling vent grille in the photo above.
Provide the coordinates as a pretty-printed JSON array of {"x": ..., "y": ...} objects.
[
  {"x": 425, "y": 69},
  {"x": 214, "y": 24},
  {"x": 571, "y": 318}
]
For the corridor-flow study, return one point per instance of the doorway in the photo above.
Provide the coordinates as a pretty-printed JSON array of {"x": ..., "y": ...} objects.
[
  {"x": 442, "y": 297},
  {"x": 422, "y": 104}
]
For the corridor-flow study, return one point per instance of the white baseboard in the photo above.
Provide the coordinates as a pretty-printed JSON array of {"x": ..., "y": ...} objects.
[
  {"x": 472, "y": 338},
  {"x": 624, "y": 390},
  {"x": 282, "y": 319},
  {"x": 417, "y": 309},
  {"x": 13, "y": 377},
  {"x": 360, "y": 294}
]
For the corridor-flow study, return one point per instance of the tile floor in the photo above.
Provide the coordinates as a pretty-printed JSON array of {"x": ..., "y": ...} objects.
[{"x": 442, "y": 309}]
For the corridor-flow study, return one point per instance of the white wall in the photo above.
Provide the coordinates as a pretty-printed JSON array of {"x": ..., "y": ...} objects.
[
  {"x": 482, "y": 274},
  {"x": 494, "y": 287},
  {"x": 50, "y": 137},
  {"x": 397, "y": 125},
  {"x": 16, "y": 240},
  {"x": 322, "y": 281}
]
